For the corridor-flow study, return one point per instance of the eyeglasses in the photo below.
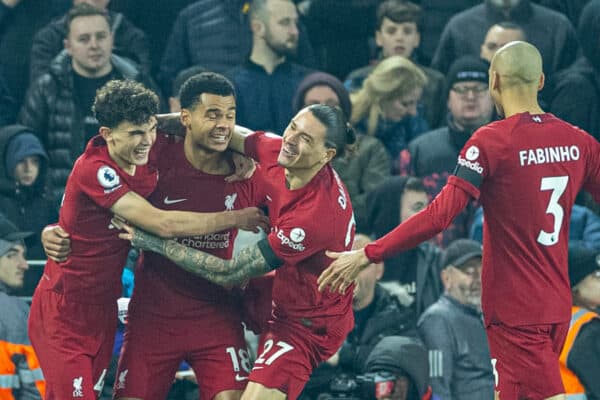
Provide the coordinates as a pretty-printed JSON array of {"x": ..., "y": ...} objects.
[{"x": 464, "y": 90}]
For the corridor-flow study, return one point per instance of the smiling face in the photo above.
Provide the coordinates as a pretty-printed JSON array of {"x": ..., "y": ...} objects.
[
  {"x": 464, "y": 283},
  {"x": 303, "y": 146},
  {"x": 90, "y": 45},
  {"x": 210, "y": 122},
  {"x": 129, "y": 144},
  {"x": 397, "y": 39},
  {"x": 13, "y": 266}
]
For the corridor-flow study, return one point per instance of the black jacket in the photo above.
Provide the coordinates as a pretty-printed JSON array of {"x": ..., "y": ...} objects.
[
  {"x": 50, "y": 110},
  {"x": 129, "y": 42},
  {"x": 584, "y": 358},
  {"x": 29, "y": 208}
]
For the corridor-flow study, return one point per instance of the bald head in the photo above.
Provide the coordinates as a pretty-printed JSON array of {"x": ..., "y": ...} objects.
[{"x": 518, "y": 64}]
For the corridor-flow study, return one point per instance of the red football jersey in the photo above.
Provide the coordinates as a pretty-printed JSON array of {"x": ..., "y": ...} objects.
[
  {"x": 529, "y": 169},
  {"x": 92, "y": 273},
  {"x": 183, "y": 187},
  {"x": 304, "y": 223}
]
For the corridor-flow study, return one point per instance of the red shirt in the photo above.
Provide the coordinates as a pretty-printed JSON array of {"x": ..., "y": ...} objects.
[
  {"x": 183, "y": 187},
  {"x": 305, "y": 222},
  {"x": 92, "y": 273},
  {"x": 527, "y": 171}
]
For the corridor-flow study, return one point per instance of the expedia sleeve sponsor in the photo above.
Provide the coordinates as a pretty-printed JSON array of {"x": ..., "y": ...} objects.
[{"x": 470, "y": 171}]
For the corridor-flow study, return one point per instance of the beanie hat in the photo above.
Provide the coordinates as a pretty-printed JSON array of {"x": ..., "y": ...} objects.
[
  {"x": 22, "y": 145},
  {"x": 582, "y": 262},
  {"x": 322, "y": 79},
  {"x": 467, "y": 68}
]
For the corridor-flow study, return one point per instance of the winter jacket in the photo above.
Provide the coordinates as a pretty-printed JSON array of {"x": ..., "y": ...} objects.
[
  {"x": 8, "y": 107},
  {"x": 129, "y": 42},
  {"x": 458, "y": 351},
  {"x": 548, "y": 30},
  {"x": 216, "y": 35},
  {"x": 13, "y": 334},
  {"x": 50, "y": 111},
  {"x": 29, "y": 208}
]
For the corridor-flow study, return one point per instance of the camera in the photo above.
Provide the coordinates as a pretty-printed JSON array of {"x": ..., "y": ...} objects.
[{"x": 369, "y": 386}]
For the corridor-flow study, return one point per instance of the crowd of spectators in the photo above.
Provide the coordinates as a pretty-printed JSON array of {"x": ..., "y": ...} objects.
[{"x": 411, "y": 77}]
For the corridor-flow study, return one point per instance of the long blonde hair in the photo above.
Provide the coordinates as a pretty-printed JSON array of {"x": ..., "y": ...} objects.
[{"x": 393, "y": 77}]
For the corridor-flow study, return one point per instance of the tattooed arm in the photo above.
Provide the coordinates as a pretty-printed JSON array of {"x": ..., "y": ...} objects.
[{"x": 252, "y": 261}]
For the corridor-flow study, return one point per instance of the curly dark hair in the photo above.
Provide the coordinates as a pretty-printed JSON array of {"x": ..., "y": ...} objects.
[
  {"x": 205, "y": 82},
  {"x": 124, "y": 100}
]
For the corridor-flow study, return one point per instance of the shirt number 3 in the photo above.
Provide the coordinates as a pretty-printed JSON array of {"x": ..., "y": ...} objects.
[{"x": 558, "y": 185}]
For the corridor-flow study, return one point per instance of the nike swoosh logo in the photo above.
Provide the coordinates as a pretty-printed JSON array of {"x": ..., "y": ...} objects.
[
  {"x": 239, "y": 378},
  {"x": 169, "y": 201}
]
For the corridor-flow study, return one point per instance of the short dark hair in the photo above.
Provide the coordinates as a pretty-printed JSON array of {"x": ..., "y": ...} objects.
[
  {"x": 415, "y": 184},
  {"x": 205, "y": 82},
  {"x": 339, "y": 133},
  {"x": 124, "y": 100},
  {"x": 84, "y": 10},
  {"x": 183, "y": 76},
  {"x": 399, "y": 11}
]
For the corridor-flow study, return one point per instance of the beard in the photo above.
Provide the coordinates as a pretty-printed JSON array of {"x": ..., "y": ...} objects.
[{"x": 283, "y": 49}]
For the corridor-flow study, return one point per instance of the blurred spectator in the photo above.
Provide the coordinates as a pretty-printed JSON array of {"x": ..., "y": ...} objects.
[
  {"x": 584, "y": 228},
  {"x": 367, "y": 165},
  {"x": 398, "y": 33},
  {"x": 20, "y": 371},
  {"x": 376, "y": 315},
  {"x": 436, "y": 14},
  {"x": 386, "y": 105},
  {"x": 23, "y": 198},
  {"x": 174, "y": 104},
  {"x": 580, "y": 357},
  {"x": 19, "y": 21},
  {"x": 340, "y": 31},
  {"x": 572, "y": 9},
  {"x": 576, "y": 90},
  {"x": 406, "y": 359},
  {"x": 548, "y": 30},
  {"x": 412, "y": 276},
  {"x": 497, "y": 36},
  {"x": 453, "y": 331},
  {"x": 432, "y": 156},
  {"x": 8, "y": 107},
  {"x": 129, "y": 41},
  {"x": 156, "y": 22},
  {"x": 266, "y": 82},
  {"x": 217, "y": 35},
  {"x": 59, "y": 104}
]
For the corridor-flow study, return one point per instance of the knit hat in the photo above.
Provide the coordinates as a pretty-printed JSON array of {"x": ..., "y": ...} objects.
[
  {"x": 322, "y": 79},
  {"x": 9, "y": 235},
  {"x": 460, "y": 251},
  {"x": 22, "y": 145},
  {"x": 467, "y": 68},
  {"x": 582, "y": 262}
]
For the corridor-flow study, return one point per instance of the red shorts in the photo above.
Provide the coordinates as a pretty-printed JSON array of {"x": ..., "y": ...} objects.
[
  {"x": 525, "y": 360},
  {"x": 154, "y": 346},
  {"x": 73, "y": 343},
  {"x": 288, "y": 353}
]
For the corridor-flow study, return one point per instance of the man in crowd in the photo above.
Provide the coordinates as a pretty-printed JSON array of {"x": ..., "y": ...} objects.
[
  {"x": 58, "y": 105},
  {"x": 527, "y": 171},
  {"x": 452, "y": 329},
  {"x": 497, "y": 36},
  {"x": 20, "y": 374}
]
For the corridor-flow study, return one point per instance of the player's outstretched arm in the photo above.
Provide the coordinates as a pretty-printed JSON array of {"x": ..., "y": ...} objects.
[
  {"x": 343, "y": 270},
  {"x": 138, "y": 211},
  {"x": 249, "y": 263}
]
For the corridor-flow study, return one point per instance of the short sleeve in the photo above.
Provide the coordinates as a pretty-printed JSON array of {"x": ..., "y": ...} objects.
[
  {"x": 296, "y": 239},
  {"x": 102, "y": 183},
  {"x": 263, "y": 147}
]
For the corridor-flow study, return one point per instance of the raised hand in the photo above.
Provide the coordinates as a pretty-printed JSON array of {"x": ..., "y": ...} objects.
[{"x": 343, "y": 270}]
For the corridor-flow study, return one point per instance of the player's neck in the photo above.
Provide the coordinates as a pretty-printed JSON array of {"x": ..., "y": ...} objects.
[
  {"x": 127, "y": 167},
  {"x": 210, "y": 162},
  {"x": 298, "y": 178},
  {"x": 517, "y": 102}
]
